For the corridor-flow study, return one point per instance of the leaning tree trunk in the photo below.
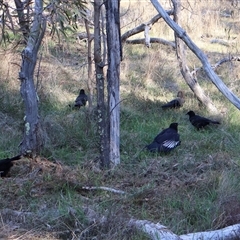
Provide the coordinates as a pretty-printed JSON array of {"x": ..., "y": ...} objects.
[
  {"x": 187, "y": 75},
  {"x": 103, "y": 126},
  {"x": 113, "y": 75},
  {"x": 32, "y": 138}
]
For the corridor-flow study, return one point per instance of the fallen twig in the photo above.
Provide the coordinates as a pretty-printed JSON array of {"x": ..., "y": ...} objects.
[{"x": 105, "y": 189}]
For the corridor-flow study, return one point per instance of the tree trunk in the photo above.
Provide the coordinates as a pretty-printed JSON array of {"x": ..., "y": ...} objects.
[
  {"x": 187, "y": 75},
  {"x": 113, "y": 75},
  {"x": 103, "y": 126},
  {"x": 24, "y": 19},
  {"x": 90, "y": 71},
  {"x": 32, "y": 140}
]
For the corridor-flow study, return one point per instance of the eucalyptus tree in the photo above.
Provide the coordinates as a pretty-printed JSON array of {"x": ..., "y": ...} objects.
[
  {"x": 108, "y": 20},
  {"x": 113, "y": 76},
  {"x": 32, "y": 17}
]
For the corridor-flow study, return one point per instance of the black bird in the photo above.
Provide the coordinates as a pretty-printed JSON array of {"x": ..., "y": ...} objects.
[
  {"x": 175, "y": 103},
  {"x": 198, "y": 121},
  {"x": 166, "y": 140},
  {"x": 6, "y": 164},
  {"x": 81, "y": 100}
]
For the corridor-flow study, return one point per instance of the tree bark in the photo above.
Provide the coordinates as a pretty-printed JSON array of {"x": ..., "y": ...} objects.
[
  {"x": 24, "y": 19},
  {"x": 103, "y": 126},
  {"x": 32, "y": 140},
  {"x": 113, "y": 76},
  {"x": 206, "y": 66},
  {"x": 187, "y": 75},
  {"x": 90, "y": 71}
]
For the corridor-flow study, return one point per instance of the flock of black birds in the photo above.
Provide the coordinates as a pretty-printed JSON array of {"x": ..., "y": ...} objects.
[
  {"x": 165, "y": 141},
  {"x": 169, "y": 138}
]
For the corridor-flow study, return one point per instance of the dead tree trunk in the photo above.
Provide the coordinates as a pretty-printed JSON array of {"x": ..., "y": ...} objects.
[
  {"x": 113, "y": 75},
  {"x": 32, "y": 140},
  {"x": 103, "y": 126},
  {"x": 187, "y": 75}
]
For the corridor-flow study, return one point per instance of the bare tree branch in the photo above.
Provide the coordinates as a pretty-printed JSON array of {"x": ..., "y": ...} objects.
[
  {"x": 141, "y": 27},
  {"x": 152, "y": 40},
  {"x": 227, "y": 233},
  {"x": 224, "y": 60}
]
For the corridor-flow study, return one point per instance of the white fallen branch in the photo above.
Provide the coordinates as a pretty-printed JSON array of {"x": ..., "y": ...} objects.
[
  {"x": 105, "y": 189},
  {"x": 227, "y": 233},
  {"x": 155, "y": 231}
]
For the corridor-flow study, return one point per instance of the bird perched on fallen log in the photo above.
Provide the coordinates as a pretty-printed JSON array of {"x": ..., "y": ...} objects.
[
  {"x": 6, "y": 164},
  {"x": 175, "y": 103},
  {"x": 198, "y": 121},
  {"x": 166, "y": 140},
  {"x": 81, "y": 100}
]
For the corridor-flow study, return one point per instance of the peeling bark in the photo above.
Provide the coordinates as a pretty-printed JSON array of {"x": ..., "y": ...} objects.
[
  {"x": 103, "y": 127},
  {"x": 146, "y": 35},
  {"x": 32, "y": 140},
  {"x": 113, "y": 76}
]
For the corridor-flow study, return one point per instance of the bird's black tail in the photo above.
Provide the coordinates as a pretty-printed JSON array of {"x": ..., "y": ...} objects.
[
  {"x": 16, "y": 157},
  {"x": 7, "y": 160},
  {"x": 215, "y": 122},
  {"x": 167, "y": 105}
]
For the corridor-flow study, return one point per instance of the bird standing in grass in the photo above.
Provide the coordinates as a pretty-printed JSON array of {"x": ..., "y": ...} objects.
[
  {"x": 198, "y": 121},
  {"x": 166, "y": 140},
  {"x": 175, "y": 103},
  {"x": 81, "y": 100},
  {"x": 6, "y": 164}
]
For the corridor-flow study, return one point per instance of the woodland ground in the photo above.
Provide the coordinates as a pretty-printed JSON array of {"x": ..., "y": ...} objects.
[{"x": 194, "y": 188}]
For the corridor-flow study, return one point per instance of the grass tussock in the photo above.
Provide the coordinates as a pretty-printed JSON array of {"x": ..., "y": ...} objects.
[{"x": 194, "y": 188}]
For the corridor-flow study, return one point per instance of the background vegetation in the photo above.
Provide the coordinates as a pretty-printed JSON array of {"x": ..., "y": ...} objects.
[{"x": 194, "y": 188}]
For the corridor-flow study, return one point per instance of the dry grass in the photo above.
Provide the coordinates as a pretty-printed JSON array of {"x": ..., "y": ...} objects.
[{"x": 195, "y": 188}]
